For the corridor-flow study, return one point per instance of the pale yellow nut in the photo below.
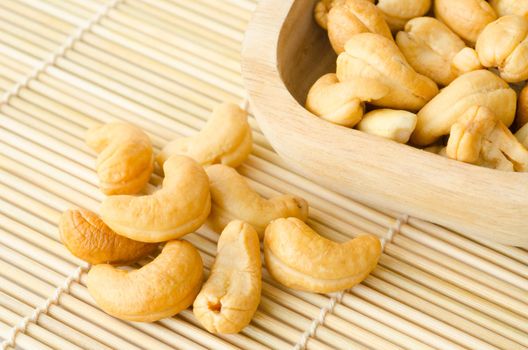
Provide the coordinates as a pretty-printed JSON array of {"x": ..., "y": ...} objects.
[
  {"x": 398, "y": 12},
  {"x": 225, "y": 139},
  {"x": 160, "y": 289},
  {"x": 504, "y": 44},
  {"x": 433, "y": 50},
  {"x": 510, "y": 7},
  {"x": 299, "y": 258},
  {"x": 522, "y": 108},
  {"x": 342, "y": 103},
  {"x": 125, "y": 160},
  {"x": 179, "y": 207},
  {"x": 230, "y": 296},
  {"x": 392, "y": 124},
  {"x": 467, "y": 18},
  {"x": 480, "y": 87},
  {"x": 232, "y": 198},
  {"x": 87, "y": 237},
  {"x": 375, "y": 57},
  {"x": 522, "y": 135},
  {"x": 322, "y": 8}
]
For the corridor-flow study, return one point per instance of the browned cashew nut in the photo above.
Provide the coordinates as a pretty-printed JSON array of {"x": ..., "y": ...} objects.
[
  {"x": 375, "y": 57},
  {"x": 87, "y": 237},
  {"x": 125, "y": 159},
  {"x": 398, "y": 12},
  {"x": 522, "y": 135},
  {"x": 225, "y": 139},
  {"x": 510, "y": 7},
  {"x": 299, "y": 258},
  {"x": 179, "y": 207},
  {"x": 160, "y": 289},
  {"x": 342, "y": 103},
  {"x": 231, "y": 295},
  {"x": 478, "y": 138},
  {"x": 232, "y": 198}
]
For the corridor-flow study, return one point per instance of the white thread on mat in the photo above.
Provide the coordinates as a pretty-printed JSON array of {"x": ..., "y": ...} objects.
[
  {"x": 22, "y": 325},
  {"x": 336, "y": 298}
]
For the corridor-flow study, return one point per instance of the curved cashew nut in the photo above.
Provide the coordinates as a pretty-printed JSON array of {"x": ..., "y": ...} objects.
[
  {"x": 510, "y": 7},
  {"x": 342, "y": 103},
  {"x": 225, "y": 139},
  {"x": 467, "y": 18},
  {"x": 435, "y": 51},
  {"x": 478, "y": 138},
  {"x": 232, "y": 198},
  {"x": 480, "y": 87},
  {"x": 504, "y": 44},
  {"x": 299, "y": 258},
  {"x": 522, "y": 108},
  {"x": 87, "y": 237},
  {"x": 398, "y": 12},
  {"x": 231, "y": 295},
  {"x": 160, "y": 289},
  {"x": 522, "y": 135},
  {"x": 396, "y": 125},
  {"x": 375, "y": 57},
  {"x": 125, "y": 159},
  {"x": 179, "y": 207}
]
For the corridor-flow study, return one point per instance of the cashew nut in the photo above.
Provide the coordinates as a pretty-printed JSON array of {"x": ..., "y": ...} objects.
[
  {"x": 342, "y": 103},
  {"x": 510, "y": 7},
  {"x": 522, "y": 135},
  {"x": 125, "y": 159},
  {"x": 87, "y": 237},
  {"x": 467, "y": 18},
  {"x": 480, "y": 87},
  {"x": 522, "y": 108},
  {"x": 398, "y": 12},
  {"x": 299, "y": 258},
  {"x": 225, "y": 139},
  {"x": 504, "y": 44},
  {"x": 478, "y": 138},
  {"x": 435, "y": 51},
  {"x": 375, "y": 57},
  {"x": 232, "y": 198},
  {"x": 231, "y": 295},
  {"x": 160, "y": 289},
  {"x": 396, "y": 125},
  {"x": 179, "y": 207}
]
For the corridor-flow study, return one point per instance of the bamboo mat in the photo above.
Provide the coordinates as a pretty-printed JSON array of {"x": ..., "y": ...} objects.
[{"x": 66, "y": 65}]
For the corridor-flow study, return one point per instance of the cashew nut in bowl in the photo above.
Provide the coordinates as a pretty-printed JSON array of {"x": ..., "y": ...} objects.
[
  {"x": 392, "y": 124},
  {"x": 87, "y": 237},
  {"x": 480, "y": 87},
  {"x": 162, "y": 288},
  {"x": 522, "y": 108},
  {"x": 342, "y": 103},
  {"x": 467, "y": 18},
  {"x": 229, "y": 298},
  {"x": 522, "y": 135},
  {"x": 232, "y": 198},
  {"x": 225, "y": 139},
  {"x": 375, "y": 57},
  {"x": 398, "y": 12},
  {"x": 299, "y": 258},
  {"x": 479, "y": 138},
  {"x": 125, "y": 159},
  {"x": 510, "y": 7},
  {"x": 435, "y": 51},
  {"x": 504, "y": 44},
  {"x": 179, "y": 207}
]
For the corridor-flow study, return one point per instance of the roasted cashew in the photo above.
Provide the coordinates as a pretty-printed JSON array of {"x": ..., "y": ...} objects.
[
  {"x": 480, "y": 87},
  {"x": 392, "y": 124},
  {"x": 504, "y": 44},
  {"x": 478, "y": 138},
  {"x": 522, "y": 135},
  {"x": 510, "y": 7},
  {"x": 398, "y": 12},
  {"x": 522, "y": 108},
  {"x": 467, "y": 18},
  {"x": 435, "y": 51},
  {"x": 375, "y": 57},
  {"x": 87, "y": 237},
  {"x": 231, "y": 295},
  {"x": 342, "y": 103},
  {"x": 225, "y": 139},
  {"x": 232, "y": 198},
  {"x": 179, "y": 207},
  {"x": 299, "y": 258},
  {"x": 160, "y": 289},
  {"x": 125, "y": 159}
]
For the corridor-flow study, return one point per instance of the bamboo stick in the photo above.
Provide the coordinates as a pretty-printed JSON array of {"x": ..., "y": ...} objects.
[
  {"x": 22, "y": 339},
  {"x": 220, "y": 16},
  {"x": 31, "y": 25},
  {"x": 74, "y": 9},
  {"x": 54, "y": 11},
  {"x": 28, "y": 36}
]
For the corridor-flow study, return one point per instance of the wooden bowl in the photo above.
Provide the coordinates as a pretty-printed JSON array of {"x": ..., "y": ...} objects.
[{"x": 284, "y": 53}]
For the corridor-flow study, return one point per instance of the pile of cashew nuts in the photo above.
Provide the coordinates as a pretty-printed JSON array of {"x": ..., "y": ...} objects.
[
  {"x": 200, "y": 187},
  {"x": 452, "y": 79}
]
